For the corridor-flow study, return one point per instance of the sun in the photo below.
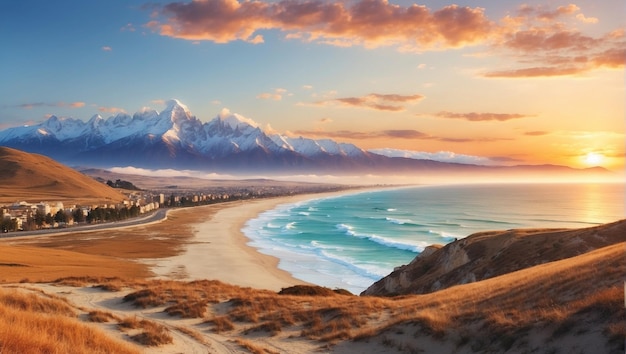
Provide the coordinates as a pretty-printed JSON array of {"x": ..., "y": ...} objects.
[{"x": 594, "y": 159}]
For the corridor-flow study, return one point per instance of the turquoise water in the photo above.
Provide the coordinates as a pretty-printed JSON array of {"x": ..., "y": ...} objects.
[{"x": 353, "y": 240}]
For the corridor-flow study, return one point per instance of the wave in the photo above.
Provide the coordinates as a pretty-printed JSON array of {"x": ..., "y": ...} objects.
[
  {"x": 317, "y": 245},
  {"x": 445, "y": 235},
  {"x": 384, "y": 241},
  {"x": 349, "y": 263},
  {"x": 487, "y": 221},
  {"x": 304, "y": 213},
  {"x": 407, "y": 222},
  {"x": 269, "y": 225},
  {"x": 290, "y": 226}
]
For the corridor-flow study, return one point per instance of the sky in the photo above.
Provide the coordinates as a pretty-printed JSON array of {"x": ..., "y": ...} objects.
[{"x": 494, "y": 82}]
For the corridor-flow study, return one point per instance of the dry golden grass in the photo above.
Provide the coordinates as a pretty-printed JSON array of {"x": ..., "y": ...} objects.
[
  {"x": 221, "y": 324},
  {"x": 32, "y": 323},
  {"x": 197, "y": 336},
  {"x": 101, "y": 316},
  {"x": 254, "y": 348},
  {"x": 46, "y": 265},
  {"x": 497, "y": 314},
  {"x": 489, "y": 315},
  {"x": 151, "y": 333}
]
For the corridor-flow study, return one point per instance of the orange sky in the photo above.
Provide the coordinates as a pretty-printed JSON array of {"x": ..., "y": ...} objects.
[{"x": 515, "y": 82}]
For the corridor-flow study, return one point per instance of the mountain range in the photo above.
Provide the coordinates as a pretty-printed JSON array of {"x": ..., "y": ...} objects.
[{"x": 229, "y": 143}]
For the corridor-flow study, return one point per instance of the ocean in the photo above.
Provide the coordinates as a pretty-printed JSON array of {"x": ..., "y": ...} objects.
[{"x": 353, "y": 240}]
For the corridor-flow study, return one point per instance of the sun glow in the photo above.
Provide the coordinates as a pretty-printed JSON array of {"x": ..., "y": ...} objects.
[{"x": 594, "y": 159}]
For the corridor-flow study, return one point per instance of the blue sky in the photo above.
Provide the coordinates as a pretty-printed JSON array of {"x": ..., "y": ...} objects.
[{"x": 518, "y": 82}]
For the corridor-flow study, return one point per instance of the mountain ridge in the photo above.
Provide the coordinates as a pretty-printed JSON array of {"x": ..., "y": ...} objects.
[{"x": 175, "y": 138}]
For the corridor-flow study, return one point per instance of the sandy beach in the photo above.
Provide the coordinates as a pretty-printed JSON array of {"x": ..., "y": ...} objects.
[{"x": 219, "y": 249}]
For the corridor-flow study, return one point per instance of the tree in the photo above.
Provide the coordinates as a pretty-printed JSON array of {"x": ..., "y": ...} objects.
[
  {"x": 8, "y": 224},
  {"x": 60, "y": 216},
  {"x": 78, "y": 215},
  {"x": 39, "y": 218},
  {"x": 49, "y": 219}
]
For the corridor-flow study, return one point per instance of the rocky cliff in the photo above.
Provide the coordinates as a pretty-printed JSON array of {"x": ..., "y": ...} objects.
[{"x": 490, "y": 254}]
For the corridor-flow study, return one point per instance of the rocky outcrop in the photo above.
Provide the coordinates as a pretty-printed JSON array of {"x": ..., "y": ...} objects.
[{"x": 489, "y": 254}]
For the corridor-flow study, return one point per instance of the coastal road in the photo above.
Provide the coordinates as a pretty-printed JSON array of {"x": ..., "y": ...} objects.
[{"x": 156, "y": 216}]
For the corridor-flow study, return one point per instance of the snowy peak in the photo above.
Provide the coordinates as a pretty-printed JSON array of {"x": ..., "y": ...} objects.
[
  {"x": 175, "y": 104},
  {"x": 236, "y": 121},
  {"x": 148, "y": 133}
]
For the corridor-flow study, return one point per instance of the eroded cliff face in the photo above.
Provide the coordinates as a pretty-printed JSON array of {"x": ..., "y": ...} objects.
[
  {"x": 434, "y": 260},
  {"x": 489, "y": 254}
]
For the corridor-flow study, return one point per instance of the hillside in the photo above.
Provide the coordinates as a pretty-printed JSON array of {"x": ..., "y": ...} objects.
[
  {"x": 549, "y": 308},
  {"x": 35, "y": 178},
  {"x": 486, "y": 255}
]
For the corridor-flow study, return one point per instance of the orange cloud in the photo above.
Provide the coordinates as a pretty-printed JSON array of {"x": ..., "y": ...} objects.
[
  {"x": 536, "y": 133},
  {"x": 57, "y": 104},
  {"x": 277, "y": 95},
  {"x": 111, "y": 110},
  {"x": 534, "y": 36},
  {"x": 394, "y": 134},
  {"x": 537, "y": 72},
  {"x": 76, "y": 104},
  {"x": 480, "y": 117},
  {"x": 548, "y": 47},
  {"x": 376, "y": 101},
  {"x": 370, "y": 23}
]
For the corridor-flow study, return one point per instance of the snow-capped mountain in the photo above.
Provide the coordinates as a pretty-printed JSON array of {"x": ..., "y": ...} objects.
[{"x": 176, "y": 138}]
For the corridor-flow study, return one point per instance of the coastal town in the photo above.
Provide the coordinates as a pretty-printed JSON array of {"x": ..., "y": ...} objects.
[{"x": 30, "y": 216}]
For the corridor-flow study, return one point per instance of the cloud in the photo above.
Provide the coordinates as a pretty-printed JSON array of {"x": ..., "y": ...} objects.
[
  {"x": 155, "y": 173},
  {"x": 128, "y": 27},
  {"x": 389, "y": 134},
  {"x": 442, "y": 156},
  {"x": 325, "y": 120},
  {"x": 584, "y": 19},
  {"x": 376, "y": 101},
  {"x": 545, "y": 71},
  {"x": 111, "y": 110},
  {"x": 277, "y": 95},
  {"x": 531, "y": 36},
  {"x": 480, "y": 117},
  {"x": 307, "y": 87},
  {"x": 107, "y": 48},
  {"x": 545, "y": 46},
  {"x": 46, "y": 104},
  {"x": 536, "y": 133},
  {"x": 369, "y": 23}
]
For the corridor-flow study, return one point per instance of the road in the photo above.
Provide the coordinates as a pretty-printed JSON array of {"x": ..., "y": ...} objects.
[{"x": 158, "y": 215}]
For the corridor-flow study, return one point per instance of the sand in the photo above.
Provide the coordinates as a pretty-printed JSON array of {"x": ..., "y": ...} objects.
[{"x": 219, "y": 250}]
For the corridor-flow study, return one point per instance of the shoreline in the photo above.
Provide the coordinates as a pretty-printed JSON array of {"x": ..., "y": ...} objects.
[{"x": 220, "y": 250}]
